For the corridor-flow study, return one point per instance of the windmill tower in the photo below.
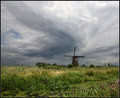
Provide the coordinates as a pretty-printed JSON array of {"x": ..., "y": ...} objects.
[
  {"x": 74, "y": 58},
  {"x": 109, "y": 64}
]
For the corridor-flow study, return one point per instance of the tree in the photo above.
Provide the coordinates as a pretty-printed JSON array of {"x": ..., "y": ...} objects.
[{"x": 92, "y": 65}]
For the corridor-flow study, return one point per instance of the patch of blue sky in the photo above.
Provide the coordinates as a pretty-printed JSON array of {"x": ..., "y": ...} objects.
[
  {"x": 2, "y": 40},
  {"x": 16, "y": 34}
]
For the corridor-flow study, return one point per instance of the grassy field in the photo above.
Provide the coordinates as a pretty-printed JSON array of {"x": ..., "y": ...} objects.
[{"x": 54, "y": 81}]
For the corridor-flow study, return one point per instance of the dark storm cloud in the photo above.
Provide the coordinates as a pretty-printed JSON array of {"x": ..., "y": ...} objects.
[
  {"x": 115, "y": 54},
  {"x": 102, "y": 52},
  {"x": 106, "y": 49},
  {"x": 63, "y": 41},
  {"x": 63, "y": 44},
  {"x": 9, "y": 60}
]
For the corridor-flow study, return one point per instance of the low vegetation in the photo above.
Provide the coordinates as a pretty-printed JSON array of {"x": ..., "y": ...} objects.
[{"x": 59, "y": 81}]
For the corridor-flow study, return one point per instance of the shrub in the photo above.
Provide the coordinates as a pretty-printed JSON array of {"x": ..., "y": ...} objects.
[
  {"x": 54, "y": 64},
  {"x": 40, "y": 64},
  {"x": 98, "y": 66},
  {"x": 70, "y": 65},
  {"x": 92, "y": 65},
  {"x": 83, "y": 65}
]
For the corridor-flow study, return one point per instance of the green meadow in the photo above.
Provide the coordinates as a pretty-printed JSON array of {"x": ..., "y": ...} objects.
[{"x": 59, "y": 81}]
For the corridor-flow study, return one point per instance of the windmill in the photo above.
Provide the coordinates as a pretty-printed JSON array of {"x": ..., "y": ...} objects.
[{"x": 74, "y": 58}]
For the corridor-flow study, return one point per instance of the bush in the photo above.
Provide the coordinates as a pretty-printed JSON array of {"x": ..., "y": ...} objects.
[
  {"x": 40, "y": 64},
  {"x": 98, "y": 66},
  {"x": 54, "y": 64},
  {"x": 83, "y": 65},
  {"x": 70, "y": 65},
  {"x": 92, "y": 65}
]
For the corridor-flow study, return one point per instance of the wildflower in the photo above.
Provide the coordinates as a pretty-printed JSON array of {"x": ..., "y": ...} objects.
[
  {"x": 116, "y": 82},
  {"x": 113, "y": 85},
  {"x": 102, "y": 86},
  {"x": 113, "y": 88}
]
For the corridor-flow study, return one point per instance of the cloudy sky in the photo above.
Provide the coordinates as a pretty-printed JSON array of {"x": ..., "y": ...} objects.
[{"x": 44, "y": 31}]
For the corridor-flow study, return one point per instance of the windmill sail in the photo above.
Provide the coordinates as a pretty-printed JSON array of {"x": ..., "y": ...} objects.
[
  {"x": 74, "y": 58},
  {"x": 74, "y": 50}
]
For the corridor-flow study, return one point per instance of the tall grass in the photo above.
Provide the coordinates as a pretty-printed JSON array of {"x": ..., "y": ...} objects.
[{"x": 34, "y": 81}]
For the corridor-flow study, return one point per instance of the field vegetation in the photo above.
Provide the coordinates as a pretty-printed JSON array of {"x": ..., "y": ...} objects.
[{"x": 59, "y": 81}]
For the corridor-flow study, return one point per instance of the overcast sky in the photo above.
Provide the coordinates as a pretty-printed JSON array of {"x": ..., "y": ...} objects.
[{"x": 44, "y": 31}]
